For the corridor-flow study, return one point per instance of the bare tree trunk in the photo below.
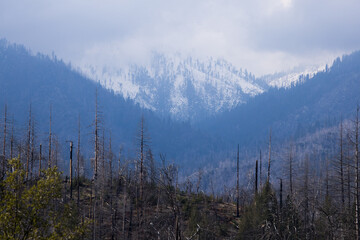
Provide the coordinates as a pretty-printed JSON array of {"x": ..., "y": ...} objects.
[
  {"x": 130, "y": 222},
  {"x": 119, "y": 164},
  {"x": 268, "y": 177},
  {"x": 281, "y": 194},
  {"x": 94, "y": 209},
  {"x": 111, "y": 191},
  {"x": 12, "y": 140},
  {"x": 50, "y": 138},
  {"x": 306, "y": 197},
  {"x": 103, "y": 155},
  {"x": 327, "y": 176},
  {"x": 32, "y": 150},
  {"x": 91, "y": 201},
  {"x": 140, "y": 211},
  {"x": 124, "y": 208},
  {"x": 142, "y": 160},
  {"x": 56, "y": 151},
  {"x": 349, "y": 183},
  {"x": 96, "y": 138},
  {"x": 103, "y": 171},
  {"x": 177, "y": 211},
  {"x": 342, "y": 168},
  {"x": 177, "y": 232},
  {"x": 71, "y": 169},
  {"x": 291, "y": 170},
  {"x": 198, "y": 183},
  {"x": 357, "y": 209},
  {"x": 78, "y": 166},
  {"x": 20, "y": 149},
  {"x": 95, "y": 164},
  {"x": 4, "y": 143},
  {"x": 237, "y": 183},
  {"x": 260, "y": 171},
  {"x": 256, "y": 177},
  {"x": 40, "y": 149},
  {"x": 28, "y": 146}
]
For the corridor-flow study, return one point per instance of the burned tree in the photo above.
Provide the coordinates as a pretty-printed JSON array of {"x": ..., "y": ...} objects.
[
  {"x": 50, "y": 138},
  {"x": 78, "y": 165},
  {"x": 71, "y": 168},
  {"x": 4, "y": 142},
  {"x": 268, "y": 174},
  {"x": 95, "y": 170},
  {"x": 237, "y": 183},
  {"x": 28, "y": 143},
  {"x": 256, "y": 177}
]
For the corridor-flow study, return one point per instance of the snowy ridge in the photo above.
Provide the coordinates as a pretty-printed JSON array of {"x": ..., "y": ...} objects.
[
  {"x": 287, "y": 79},
  {"x": 185, "y": 88},
  {"x": 190, "y": 89}
]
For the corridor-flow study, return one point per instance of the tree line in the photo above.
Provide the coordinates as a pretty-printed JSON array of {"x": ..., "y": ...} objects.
[{"x": 315, "y": 197}]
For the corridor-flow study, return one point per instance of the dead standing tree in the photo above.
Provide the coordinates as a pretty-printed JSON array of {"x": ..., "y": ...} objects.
[
  {"x": 71, "y": 168},
  {"x": 32, "y": 151},
  {"x": 268, "y": 175},
  {"x": 142, "y": 157},
  {"x": 143, "y": 142},
  {"x": 260, "y": 168},
  {"x": 95, "y": 164},
  {"x": 112, "y": 209},
  {"x": 40, "y": 158},
  {"x": 12, "y": 139},
  {"x": 166, "y": 182},
  {"x": 339, "y": 167},
  {"x": 78, "y": 164},
  {"x": 355, "y": 143},
  {"x": 237, "y": 183},
  {"x": 28, "y": 143},
  {"x": 4, "y": 142},
  {"x": 289, "y": 167},
  {"x": 50, "y": 138},
  {"x": 357, "y": 207},
  {"x": 256, "y": 176}
]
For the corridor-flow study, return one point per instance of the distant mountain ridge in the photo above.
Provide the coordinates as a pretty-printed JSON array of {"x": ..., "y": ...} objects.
[
  {"x": 188, "y": 88},
  {"x": 41, "y": 80},
  {"x": 291, "y": 78},
  {"x": 184, "y": 88},
  {"x": 302, "y": 110},
  {"x": 316, "y": 102}
]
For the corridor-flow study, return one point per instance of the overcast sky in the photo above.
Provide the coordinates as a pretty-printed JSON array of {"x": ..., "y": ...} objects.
[{"x": 263, "y": 36}]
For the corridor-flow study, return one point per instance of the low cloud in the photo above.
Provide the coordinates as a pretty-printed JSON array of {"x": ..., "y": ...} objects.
[{"x": 263, "y": 36}]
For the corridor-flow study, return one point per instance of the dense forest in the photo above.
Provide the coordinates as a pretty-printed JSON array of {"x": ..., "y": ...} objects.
[{"x": 108, "y": 196}]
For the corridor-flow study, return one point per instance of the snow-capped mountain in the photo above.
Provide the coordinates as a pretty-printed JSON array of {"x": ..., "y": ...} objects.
[
  {"x": 185, "y": 88},
  {"x": 287, "y": 79}
]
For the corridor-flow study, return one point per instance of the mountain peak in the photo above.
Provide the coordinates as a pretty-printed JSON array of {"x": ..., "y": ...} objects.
[{"x": 183, "y": 87}]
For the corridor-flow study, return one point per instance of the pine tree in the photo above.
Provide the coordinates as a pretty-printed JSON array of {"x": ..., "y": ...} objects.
[{"x": 36, "y": 211}]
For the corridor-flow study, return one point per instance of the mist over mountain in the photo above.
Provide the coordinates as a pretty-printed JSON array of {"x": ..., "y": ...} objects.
[
  {"x": 314, "y": 102},
  {"x": 180, "y": 119},
  {"x": 190, "y": 89},
  {"x": 40, "y": 81},
  {"x": 183, "y": 88}
]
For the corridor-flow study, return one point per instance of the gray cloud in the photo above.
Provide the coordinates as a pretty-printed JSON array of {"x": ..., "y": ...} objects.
[{"x": 261, "y": 35}]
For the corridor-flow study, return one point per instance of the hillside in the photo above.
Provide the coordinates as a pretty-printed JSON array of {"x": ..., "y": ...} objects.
[
  {"x": 41, "y": 81},
  {"x": 311, "y": 105},
  {"x": 293, "y": 112},
  {"x": 180, "y": 87}
]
